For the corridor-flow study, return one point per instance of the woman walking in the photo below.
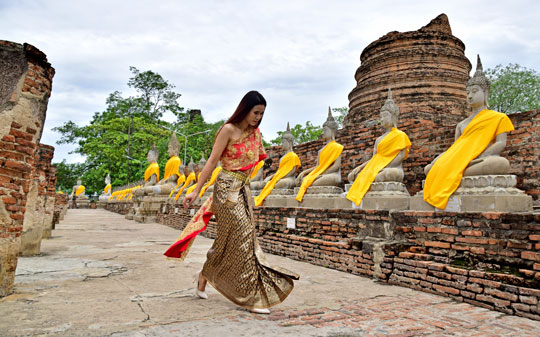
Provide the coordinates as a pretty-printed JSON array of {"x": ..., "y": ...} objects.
[{"x": 235, "y": 264}]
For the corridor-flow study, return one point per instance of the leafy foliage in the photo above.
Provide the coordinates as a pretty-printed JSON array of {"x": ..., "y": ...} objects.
[
  {"x": 513, "y": 88},
  {"x": 310, "y": 132},
  {"x": 117, "y": 140}
]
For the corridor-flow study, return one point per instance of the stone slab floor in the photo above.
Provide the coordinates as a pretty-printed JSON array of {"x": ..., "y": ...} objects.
[{"x": 102, "y": 275}]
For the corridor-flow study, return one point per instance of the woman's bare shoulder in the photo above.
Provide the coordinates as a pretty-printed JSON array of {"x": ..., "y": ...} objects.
[{"x": 227, "y": 130}]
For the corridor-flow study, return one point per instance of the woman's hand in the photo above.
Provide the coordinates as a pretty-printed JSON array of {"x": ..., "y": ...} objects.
[{"x": 188, "y": 199}]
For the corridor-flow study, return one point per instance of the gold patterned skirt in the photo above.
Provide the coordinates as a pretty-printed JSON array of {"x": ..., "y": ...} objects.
[{"x": 235, "y": 264}]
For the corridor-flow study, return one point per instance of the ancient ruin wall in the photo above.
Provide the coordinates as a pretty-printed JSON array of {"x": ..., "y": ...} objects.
[
  {"x": 25, "y": 88},
  {"x": 60, "y": 208},
  {"x": 48, "y": 186}
]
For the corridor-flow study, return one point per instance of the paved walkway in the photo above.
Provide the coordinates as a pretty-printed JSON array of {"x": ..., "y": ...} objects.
[{"x": 101, "y": 275}]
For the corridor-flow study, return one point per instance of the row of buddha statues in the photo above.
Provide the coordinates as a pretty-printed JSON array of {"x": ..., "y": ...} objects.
[{"x": 470, "y": 176}]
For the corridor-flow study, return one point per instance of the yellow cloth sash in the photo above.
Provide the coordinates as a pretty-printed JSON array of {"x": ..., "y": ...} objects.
[
  {"x": 257, "y": 168},
  {"x": 387, "y": 149},
  {"x": 172, "y": 167},
  {"x": 192, "y": 187},
  {"x": 60, "y": 192},
  {"x": 79, "y": 190},
  {"x": 287, "y": 163},
  {"x": 114, "y": 194},
  {"x": 179, "y": 182},
  {"x": 153, "y": 168},
  {"x": 329, "y": 154},
  {"x": 189, "y": 179},
  {"x": 107, "y": 188},
  {"x": 211, "y": 182},
  {"x": 445, "y": 176}
]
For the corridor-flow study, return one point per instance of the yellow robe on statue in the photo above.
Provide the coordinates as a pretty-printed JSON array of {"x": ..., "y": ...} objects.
[
  {"x": 387, "y": 149},
  {"x": 153, "y": 168},
  {"x": 329, "y": 154},
  {"x": 212, "y": 180},
  {"x": 172, "y": 167},
  {"x": 107, "y": 188},
  {"x": 192, "y": 187},
  {"x": 79, "y": 190},
  {"x": 256, "y": 169},
  {"x": 179, "y": 182},
  {"x": 287, "y": 163},
  {"x": 190, "y": 178},
  {"x": 445, "y": 176},
  {"x": 114, "y": 194}
]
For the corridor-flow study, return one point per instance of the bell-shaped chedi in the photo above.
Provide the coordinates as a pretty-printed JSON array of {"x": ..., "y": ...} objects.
[{"x": 426, "y": 69}]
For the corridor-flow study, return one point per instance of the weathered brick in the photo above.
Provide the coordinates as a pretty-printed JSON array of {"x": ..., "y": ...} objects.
[
  {"x": 437, "y": 244},
  {"x": 534, "y": 256}
]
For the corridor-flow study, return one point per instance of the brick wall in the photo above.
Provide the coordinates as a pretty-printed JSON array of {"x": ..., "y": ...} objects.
[{"x": 25, "y": 87}]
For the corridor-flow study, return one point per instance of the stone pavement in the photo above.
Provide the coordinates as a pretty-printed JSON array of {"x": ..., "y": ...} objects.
[{"x": 101, "y": 275}]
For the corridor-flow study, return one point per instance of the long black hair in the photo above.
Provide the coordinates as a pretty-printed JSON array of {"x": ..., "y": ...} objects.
[{"x": 247, "y": 103}]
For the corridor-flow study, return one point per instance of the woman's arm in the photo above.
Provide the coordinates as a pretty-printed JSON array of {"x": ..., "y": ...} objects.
[{"x": 220, "y": 144}]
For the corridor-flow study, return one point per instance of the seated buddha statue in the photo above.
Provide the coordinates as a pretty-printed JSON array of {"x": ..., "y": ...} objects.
[
  {"x": 288, "y": 164},
  {"x": 479, "y": 141},
  {"x": 198, "y": 170},
  {"x": 256, "y": 183},
  {"x": 151, "y": 175},
  {"x": 327, "y": 172},
  {"x": 180, "y": 181},
  {"x": 78, "y": 190},
  {"x": 390, "y": 149},
  {"x": 190, "y": 179},
  {"x": 170, "y": 179},
  {"x": 107, "y": 190}
]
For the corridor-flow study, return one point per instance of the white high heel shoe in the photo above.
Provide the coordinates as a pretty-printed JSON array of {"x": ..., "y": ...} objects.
[
  {"x": 264, "y": 311},
  {"x": 201, "y": 294}
]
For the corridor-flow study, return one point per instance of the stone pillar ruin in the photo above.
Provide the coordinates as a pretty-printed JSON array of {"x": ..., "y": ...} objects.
[
  {"x": 25, "y": 88},
  {"x": 46, "y": 153}
]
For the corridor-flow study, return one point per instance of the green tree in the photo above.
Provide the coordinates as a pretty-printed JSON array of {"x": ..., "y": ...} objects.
[
  {"x": 513, "y": 88},
  {"x": 117, "y": 140},
  {"x": 67, "y": 175},
  {"x": 339, "y": 115},
  {"x": 302, "y": 134}
]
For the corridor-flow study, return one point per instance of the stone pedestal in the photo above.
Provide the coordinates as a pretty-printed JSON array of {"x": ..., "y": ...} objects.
[
  {"x": 318, "y": 197},
  {"x": 383, "y": 196},
  {"x": 150, "y": 207},
  {"x": 489, "y": 193},
  {"x": 279, "y": 197}
]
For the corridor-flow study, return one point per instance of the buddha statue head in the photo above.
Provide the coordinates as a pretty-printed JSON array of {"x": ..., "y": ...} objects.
[
  {"x": 201, "y": 163},
  {"x": 79, "y": 181},
  {"x": 287, "y": 139},
  {"x": 152, "y": 155},
  {"x": 330, "y": 127},
  {"x": 190, "y": 167},
  {"x": 181, "y": 169},
  {"x": 478, "y": 88},
  {"x": 108, "y": 179},
  {"x": 389, "y": 112},
  {"x": 174, "y": 145}
]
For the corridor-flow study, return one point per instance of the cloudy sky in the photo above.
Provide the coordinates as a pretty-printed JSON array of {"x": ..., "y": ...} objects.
[{"x": 301, "y": 55}]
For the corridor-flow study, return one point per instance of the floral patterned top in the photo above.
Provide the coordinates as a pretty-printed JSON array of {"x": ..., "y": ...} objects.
[{"x": 245, "y": 152}]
